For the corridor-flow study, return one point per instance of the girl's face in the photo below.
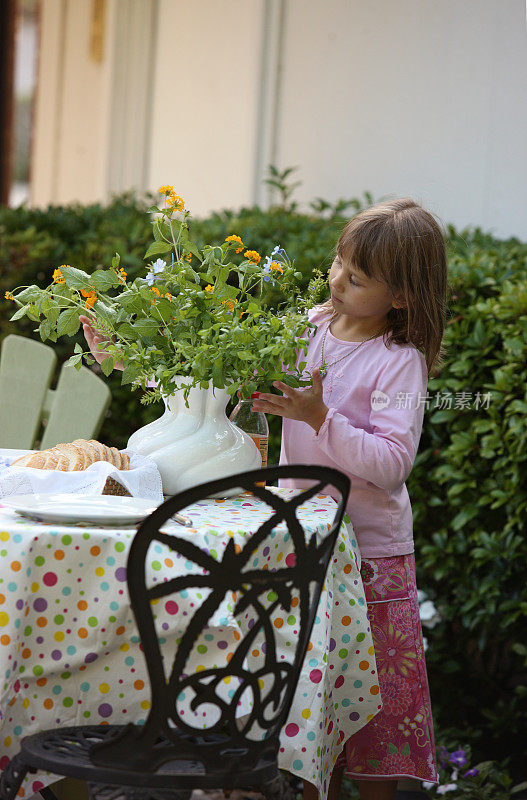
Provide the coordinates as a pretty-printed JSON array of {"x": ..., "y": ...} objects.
[{"x": 355, "y": 295}]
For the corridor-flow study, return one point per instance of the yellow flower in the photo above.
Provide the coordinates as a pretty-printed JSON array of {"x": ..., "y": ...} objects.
[
  {"x": 234, "y": 238},
  {"x": 174, "y": 200},
  {"x": 229, "y": 304},
  {"x": 168, "y": 296},
  {"x": 188, "y": 257},
  {"x": 9, "y": 296},
  {"x": 166, "y": 189},
  {"x": 156, "y": 291},
  {"x": 58, "y": 276},
  {"x": 209, "y": 288},
  {"x": 275, "y": 266},
  {"x": 122, "y": 275},
  {"x": 253, "y": 256}
]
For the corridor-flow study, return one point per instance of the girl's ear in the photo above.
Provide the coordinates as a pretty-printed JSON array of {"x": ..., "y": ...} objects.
[{"x": 399, "y": 304}]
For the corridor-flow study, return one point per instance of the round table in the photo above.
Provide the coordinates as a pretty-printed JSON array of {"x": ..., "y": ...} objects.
[{"x": 70, "y": 652}]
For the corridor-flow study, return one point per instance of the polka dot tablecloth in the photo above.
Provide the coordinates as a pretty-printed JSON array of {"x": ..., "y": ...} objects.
[{"x": 70, "y": 651}]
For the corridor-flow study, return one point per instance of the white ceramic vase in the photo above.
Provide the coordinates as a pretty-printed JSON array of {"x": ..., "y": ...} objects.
[{"x": 195, "y": 444}]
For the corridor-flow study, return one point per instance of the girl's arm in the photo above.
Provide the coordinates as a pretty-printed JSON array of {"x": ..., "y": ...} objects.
[{"x": 384, "y": 456}]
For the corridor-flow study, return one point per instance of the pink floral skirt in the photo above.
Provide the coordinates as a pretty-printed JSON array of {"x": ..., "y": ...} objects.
[{"x": 399, "y": 741}]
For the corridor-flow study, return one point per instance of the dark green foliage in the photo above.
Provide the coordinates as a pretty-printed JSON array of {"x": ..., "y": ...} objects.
[
  {"x": 469, "y": 497},
  {"x": 469, "y": 482}
]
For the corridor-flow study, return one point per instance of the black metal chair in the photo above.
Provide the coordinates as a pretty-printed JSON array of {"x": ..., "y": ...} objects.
[{"x": 168, "y": 756}]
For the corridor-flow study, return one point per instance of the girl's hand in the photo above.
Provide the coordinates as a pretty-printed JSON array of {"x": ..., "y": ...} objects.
[
  {"x": 95, "y": 337},
  {"x": 305, "y": 405}
]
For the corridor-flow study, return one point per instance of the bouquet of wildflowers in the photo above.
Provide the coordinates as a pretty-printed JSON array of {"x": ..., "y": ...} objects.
[{"x": 196, "y": 313}]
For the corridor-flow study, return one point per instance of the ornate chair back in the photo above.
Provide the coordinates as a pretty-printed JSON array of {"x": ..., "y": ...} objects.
[{"x": 230, "y": 712}]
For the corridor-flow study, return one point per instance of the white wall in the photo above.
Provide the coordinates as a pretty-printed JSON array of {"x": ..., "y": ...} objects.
[
  {"x": 420, "y": 97},
  {"x": 205, "y": 101},
  {"x": 72, "y": 106}
]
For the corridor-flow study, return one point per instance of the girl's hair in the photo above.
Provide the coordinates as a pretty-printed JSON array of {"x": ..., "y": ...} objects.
[{"x": 401, "y": 244}]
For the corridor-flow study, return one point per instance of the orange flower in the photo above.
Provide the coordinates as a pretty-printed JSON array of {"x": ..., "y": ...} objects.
[
  {"x": 175, "y": 201},
  {"x": 253, "y": 256},
  {"x": 8, "y": 296},
  {"x": 168, "y": 296},
  {"x": 122, "y": 275},
  {"x": 91, "y": 298},
  {"x": 275, "y": 266},
  {"x": 235, "y": 238},
  {"x": 58, "y": 276},
  {"x": 87, "y": 292},
  {"x": 166, "y": 189},
  {"x": 188, "y": 257},
  {"x": 156, "y": 291},
  {"x": 229, "y": 304}
]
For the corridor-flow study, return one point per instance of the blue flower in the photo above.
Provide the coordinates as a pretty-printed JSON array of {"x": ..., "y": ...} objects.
[
  {"x": 458, "y": 758},
  {"x": 471, "y": 773}
]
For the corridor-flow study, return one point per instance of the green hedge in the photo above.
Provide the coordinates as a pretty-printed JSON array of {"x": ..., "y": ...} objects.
[
  {"x": 469, "y": 483},
  {"x": 469, "y": 497}
]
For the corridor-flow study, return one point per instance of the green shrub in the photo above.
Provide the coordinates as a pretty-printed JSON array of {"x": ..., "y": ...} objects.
[
  {"x": 469, "y": 498},
  {"x": 469, "y": 482}
]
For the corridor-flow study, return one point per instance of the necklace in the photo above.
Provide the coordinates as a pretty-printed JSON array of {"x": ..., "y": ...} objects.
[{"x": 324, "y": 367}]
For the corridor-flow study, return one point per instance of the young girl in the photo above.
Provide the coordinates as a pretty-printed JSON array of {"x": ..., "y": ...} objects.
[{"x": 377, "y": 339}]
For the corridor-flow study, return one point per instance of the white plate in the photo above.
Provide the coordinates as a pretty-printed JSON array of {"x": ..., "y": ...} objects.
[{"x": 99, "y": 509}]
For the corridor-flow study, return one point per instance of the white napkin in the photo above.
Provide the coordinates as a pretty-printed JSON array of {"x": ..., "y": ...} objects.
[{"x": 141, "y": 480}]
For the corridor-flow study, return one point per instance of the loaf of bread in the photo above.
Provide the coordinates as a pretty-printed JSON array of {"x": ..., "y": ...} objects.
[{"x": 74, "y": 456}]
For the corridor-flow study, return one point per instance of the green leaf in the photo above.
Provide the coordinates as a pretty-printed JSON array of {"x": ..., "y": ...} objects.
[
  {"x": 146, "y": 327},
  {"x": 130, "y": 373},
  {"x": 128, "y": 331},
  {"x": 217, "y": 372},
  {"x": 75, "y": 278},
  {"x": 31, "y": 294},
  {"x": 116, "y": 260},
  {"x": 102, "y": 280},
  {"x": 131, "y": 301},
  {"x": 20, "y": 313},
  {"x": 158, "y": 248},
  {"x": 68, "y": 322},
  {"x": 45, "y": 329},
  {"x": 74, "y": 361},
  {"x": 33, "y": 313},
  {"x": 461, "y": 519},
  {"x": 107, "y": 365}
]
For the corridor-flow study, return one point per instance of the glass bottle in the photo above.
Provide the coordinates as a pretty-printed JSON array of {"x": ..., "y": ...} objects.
[{"x": 255, "y": 424}]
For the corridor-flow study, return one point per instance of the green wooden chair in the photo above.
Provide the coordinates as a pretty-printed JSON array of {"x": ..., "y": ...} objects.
[{"x": 74, "y": 410}]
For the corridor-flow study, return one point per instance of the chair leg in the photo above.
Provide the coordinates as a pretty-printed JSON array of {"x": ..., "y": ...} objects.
[
  {"x": 12, "y": 778},
  {"x": 48, "y": 794},
  {"x": 278, "y": 789},
  {"x": 106, "y": 791}
]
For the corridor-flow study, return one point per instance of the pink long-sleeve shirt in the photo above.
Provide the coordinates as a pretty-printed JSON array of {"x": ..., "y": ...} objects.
[{"x": 375, "y": 398}]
